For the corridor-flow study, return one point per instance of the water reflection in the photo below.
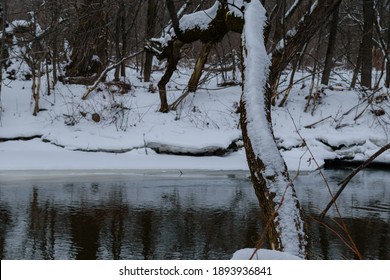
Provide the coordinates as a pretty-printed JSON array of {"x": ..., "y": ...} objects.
[
  {"x": 5, "y": 221},
  {"x": 41, "y": 219},
  {"x": 124, "y": 217},
  {"x": 362, "y": 206}
]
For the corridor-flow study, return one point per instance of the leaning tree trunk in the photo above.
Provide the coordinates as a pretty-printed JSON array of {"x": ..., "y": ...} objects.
[
  {"x": 268, "y": 170},
  {"x": 195, "y": 77},
  {"x": 275, "y": 191},
  {"x": 173, "y": 59},
  {"x": 273, "y": 187}
]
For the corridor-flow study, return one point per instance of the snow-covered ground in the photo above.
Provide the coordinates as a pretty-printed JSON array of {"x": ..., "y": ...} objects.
[
  {"x": 203, "y": 134},
  {"x": 131, "y": 129}
]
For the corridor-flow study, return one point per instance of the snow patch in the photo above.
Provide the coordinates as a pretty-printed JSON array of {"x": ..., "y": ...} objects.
[
  {"x": 200, "y": 19},
  {"x": 262, "y": 254}
]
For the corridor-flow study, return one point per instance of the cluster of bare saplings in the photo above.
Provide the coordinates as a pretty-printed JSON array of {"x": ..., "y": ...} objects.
[{"x": 80, "y": 41}]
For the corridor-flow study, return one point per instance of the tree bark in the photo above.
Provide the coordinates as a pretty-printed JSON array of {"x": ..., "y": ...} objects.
[
  {"x": 278, "y": 23},
  {"x": 35, "y": 88},
  {"x": 200, "y": 63},
  {"x": 387, "y": 81},
  {"x": 174, "y": 18},
  {"x": 306, "y": 28},
  {"x": 367, "y": 43},
  {"x": 196, "y": 74},
  {"x": 150, "y": 29},
  {"x": 173, "y": 52},
  {"x": 3, "y": 50},
  {"x": 357, "y": 67},
  {"x": 117, "y": 39},
  {"x": 273, "y": 188},
  {"x": 331, "y": 48},
  {"x": 268, "y": 170},
  {"x": 89, "y": 44},
  {"x": 216, "y": 29}
]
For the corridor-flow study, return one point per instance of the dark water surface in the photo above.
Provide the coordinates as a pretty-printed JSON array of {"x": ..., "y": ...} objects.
[{"x": 193, "y": 216}]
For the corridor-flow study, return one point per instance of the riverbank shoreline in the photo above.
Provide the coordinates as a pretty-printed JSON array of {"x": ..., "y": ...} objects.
[{"x": 204, "y": 133}]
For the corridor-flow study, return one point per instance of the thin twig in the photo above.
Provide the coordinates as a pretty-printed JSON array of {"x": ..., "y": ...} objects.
[
  {"x": 345, "y": 182},
  {"x": 343, "y": 240},
  {"x": 105, "y": 71},
  {"x": 317, "y": 122},
  {"x": 342, "y": 225}
]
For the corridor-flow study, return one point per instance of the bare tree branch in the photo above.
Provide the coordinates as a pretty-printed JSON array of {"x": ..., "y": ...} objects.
[
  {"x": 105, "y": 71},
  {"x": 345, "y": 182}
]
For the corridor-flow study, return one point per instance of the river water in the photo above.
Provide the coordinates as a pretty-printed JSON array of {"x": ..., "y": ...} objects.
[{"x": 195, "y": 215}]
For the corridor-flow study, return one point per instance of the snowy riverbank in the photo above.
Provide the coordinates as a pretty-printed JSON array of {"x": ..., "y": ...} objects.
[{"x": 203, "y": 134}]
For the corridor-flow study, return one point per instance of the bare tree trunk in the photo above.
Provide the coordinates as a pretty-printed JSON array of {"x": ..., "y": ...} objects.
[
  {"x": 278, "y": 23},
  {"x": 367, "y": 42},
  {"x": 35, "y": 90},
  {"x": 124, "y": 45},
  {"x": 173, "y": 59},
  {"x": 89, "y": 44},
  {"x": 3, "y": 18},
  {"x": 55, "y": 61},
  {"x": 47, "y": 77},
  {"x": 200, "y": 63},
  {"x": 387, "y": 81},
  {"x": 150, "y": 29},
  {"x": 313, "y": 77},
  {"x": 331, "y": 48},
  {"x": 196, "y": 74},
  {"x": 305, "y": 30},
  {"x": 357, "y": 68},
  {"x": 174, "y": 18},
  {"x": 117, "y": 36},
  {"x": 216, "y": 30}
]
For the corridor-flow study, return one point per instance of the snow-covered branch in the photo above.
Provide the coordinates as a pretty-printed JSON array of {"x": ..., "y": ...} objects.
[{"x": 269, "y": 173}]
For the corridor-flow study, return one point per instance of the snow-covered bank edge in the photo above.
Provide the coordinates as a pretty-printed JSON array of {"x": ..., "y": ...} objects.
[
  {"x": 202, "y": 134},
  {"x": 108, "y": 174},
  {"x": 38, "y": 154},
  {"x": 262, "y": 254}
]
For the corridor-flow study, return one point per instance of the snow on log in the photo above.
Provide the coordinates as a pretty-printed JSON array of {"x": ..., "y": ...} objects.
[
  {"x": 269, "y": 174},
  {"x": 209, "y": 26}
]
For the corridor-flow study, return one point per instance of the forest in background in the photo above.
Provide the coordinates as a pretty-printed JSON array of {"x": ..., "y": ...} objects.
[
  {"x": 80, "y": 42},
  {"x": 74, "y": 41}
]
